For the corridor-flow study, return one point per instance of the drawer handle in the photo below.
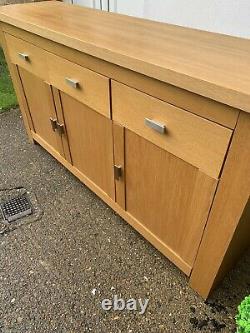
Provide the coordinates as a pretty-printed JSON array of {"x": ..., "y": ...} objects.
[
  {"x": 71, "y": 82},
  {"x": 155, "y": 125},
  {"x": 23, "y": 56}
]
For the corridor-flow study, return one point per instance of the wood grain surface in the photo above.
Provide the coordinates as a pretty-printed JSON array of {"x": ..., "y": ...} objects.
[{"x": 212, "y": 65}]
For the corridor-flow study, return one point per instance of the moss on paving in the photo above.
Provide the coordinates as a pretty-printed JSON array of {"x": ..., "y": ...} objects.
[{"x": 7, "y": 94}]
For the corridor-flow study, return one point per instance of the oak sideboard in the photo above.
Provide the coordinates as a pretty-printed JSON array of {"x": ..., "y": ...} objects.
[{"x": 154, "y": 118}]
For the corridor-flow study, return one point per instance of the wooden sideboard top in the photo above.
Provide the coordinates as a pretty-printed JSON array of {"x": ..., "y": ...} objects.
[{"x": 212, "y": 65}]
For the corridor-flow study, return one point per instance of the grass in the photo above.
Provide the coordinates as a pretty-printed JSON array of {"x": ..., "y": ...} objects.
[{"x": 7, "y": 94}]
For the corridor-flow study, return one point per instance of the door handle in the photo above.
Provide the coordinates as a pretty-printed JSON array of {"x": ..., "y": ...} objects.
[
  {"x": 24, "y": 56},
  {"x": 118, "y": 171},
  {"x": 60, "y": 128},
  {"x": 155, "y": 125},
  {"x": 72, "y": 82},
  {"x": 53, "y": 123},
  {"x": 56, "y": 126}
]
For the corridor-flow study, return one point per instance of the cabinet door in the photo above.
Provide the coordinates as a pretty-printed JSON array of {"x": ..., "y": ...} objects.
[
  {"x": 90, "y": 142},
  {"x": 168, "y": 198},
  {"x": 42, "y": 109}
]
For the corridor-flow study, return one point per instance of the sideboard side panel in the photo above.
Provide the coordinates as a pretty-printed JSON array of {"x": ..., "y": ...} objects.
[{"x": 225, "y": 225}]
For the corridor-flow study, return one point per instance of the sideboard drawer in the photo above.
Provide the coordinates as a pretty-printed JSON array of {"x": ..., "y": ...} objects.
[
  {"x": 82, "y": 84},
  {"x": 196, "y": 140},
  {"x": 27, "y": 56}
]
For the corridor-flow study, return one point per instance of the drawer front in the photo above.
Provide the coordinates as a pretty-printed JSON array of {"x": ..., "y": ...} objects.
[
  {"x": 84, "y": 85},
  {"x": 28, "y": 56},
  {"x": 197, "y": 141}
]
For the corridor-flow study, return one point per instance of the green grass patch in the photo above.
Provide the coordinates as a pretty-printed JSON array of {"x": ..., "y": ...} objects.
[
  {"x": 243, "y": 316},
  {"x": 8, "y": 98}
]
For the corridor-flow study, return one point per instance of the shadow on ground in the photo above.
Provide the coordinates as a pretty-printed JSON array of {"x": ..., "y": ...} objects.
[{"x": 49, "y": 268}]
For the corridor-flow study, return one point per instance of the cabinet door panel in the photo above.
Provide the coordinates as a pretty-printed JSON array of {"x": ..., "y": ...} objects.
[
  {"x": 41, "y": 107},
  {"x": 168, "y": 196},
  {"x": 91, "y": 142}
]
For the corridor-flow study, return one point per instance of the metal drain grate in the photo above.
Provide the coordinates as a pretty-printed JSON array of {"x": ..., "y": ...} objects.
[{"x": 16, "y": 208}]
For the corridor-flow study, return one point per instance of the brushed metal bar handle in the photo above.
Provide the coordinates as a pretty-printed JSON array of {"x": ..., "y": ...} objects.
[
  {"x": 72, "y": 82},
  {"x": 118, "y": 171},
  {"x": 155, "y": 125},
  {"x": 60, "y": 128},
  {"x": 23, "y": 56},
  {"x": 53, "y": 123}
]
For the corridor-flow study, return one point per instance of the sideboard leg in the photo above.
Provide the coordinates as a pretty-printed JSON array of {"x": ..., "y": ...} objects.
[{"x": 227, "y": 233}]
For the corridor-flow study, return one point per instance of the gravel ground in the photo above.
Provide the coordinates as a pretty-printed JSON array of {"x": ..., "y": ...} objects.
[{"x": 55, "y": 272}]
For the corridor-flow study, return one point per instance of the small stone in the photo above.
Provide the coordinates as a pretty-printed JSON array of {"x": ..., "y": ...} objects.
[
  {"x": 192, "y": 309},
  {"x": 93, "y": 292},
  {"x": 13, "y": 300},
  {"x": 194, "y": 321},
  {"x": 19, "y": 320},
  {"x": 202, "y": 324},
  {"x": 217, "y": 326}
]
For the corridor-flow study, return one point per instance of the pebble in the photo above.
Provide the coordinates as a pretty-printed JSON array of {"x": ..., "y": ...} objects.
[{"x": 93, "y": 292}]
